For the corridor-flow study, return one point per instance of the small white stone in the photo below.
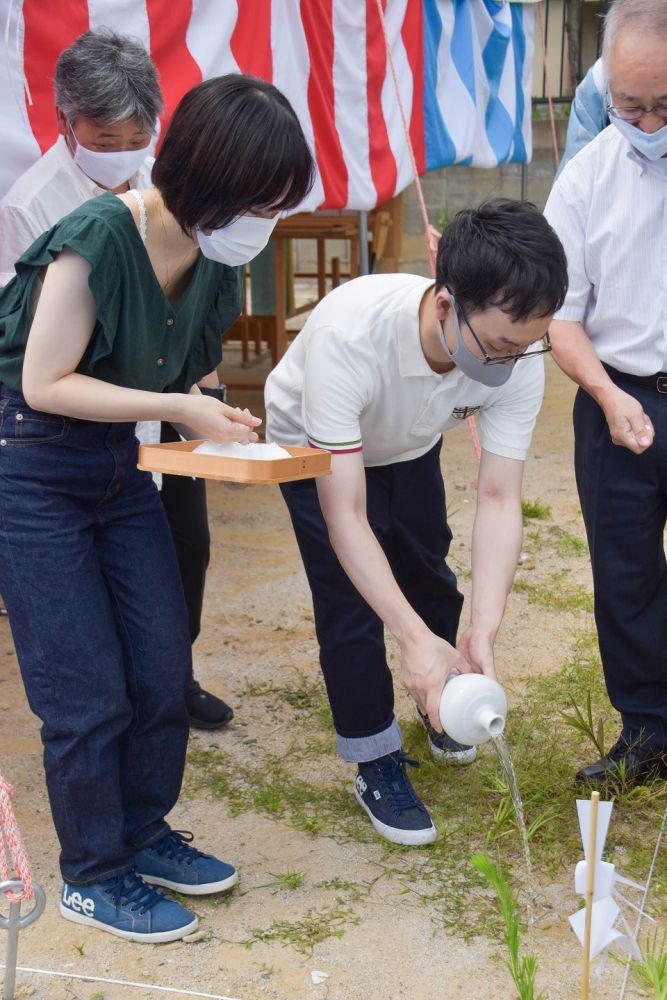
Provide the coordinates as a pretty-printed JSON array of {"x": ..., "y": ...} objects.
[
  {"x": 319, "y": 977},
  {"x": 195, "y": 936}
]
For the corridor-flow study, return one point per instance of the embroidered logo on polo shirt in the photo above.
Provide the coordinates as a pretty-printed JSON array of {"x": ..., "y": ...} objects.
[{"x": 461, "y": 412}]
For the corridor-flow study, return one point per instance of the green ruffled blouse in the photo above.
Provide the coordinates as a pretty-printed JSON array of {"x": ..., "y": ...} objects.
[{"x": 141, "y": 340}]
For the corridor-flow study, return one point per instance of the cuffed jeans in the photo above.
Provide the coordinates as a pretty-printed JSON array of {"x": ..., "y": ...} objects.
[
  {"x": 406, "y": 510},
  {"x": 624, "y": 504},
  {"x": 90, "y": 580}
]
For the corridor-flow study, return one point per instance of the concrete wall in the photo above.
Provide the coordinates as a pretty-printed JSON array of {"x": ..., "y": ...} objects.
[{"x": 453, "y": 188}]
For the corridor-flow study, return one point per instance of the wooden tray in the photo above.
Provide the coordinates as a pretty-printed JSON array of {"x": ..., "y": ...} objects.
[{"x": 178, "y": 459}]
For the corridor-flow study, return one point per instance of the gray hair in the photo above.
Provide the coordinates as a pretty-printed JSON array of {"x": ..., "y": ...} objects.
[
  {"x": 109, "y": 78},
  {"x": 649, "y": 16}
]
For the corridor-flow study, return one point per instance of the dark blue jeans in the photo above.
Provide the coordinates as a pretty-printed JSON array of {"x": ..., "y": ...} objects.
[
  {"x": 406, "y": 510},
  {"x": 624, "y": 503},
  {"x": 90, "y": 580}
]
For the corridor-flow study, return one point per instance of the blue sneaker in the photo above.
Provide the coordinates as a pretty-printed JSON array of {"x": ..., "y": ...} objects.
[
  {"x": 171, "y": 862},
  {"x": 444, "y": 748},
  {"x": 383, "y": 789},
  {"x": 127, "y": 907}
]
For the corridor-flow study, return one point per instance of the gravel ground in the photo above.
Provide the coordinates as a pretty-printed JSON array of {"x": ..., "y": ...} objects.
[{"x": 390, "y": 947}]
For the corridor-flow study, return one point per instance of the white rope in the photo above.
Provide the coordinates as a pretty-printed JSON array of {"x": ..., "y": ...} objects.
[
  {"x": 642, "y": 905},
  {"x": 121, "y": 982}
]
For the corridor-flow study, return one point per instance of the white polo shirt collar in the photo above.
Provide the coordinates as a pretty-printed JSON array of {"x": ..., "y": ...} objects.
[{"x": 411, "y": 359}]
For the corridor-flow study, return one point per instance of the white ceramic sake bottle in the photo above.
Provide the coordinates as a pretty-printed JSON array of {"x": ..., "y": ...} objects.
[{"x": 472, "y": 708}]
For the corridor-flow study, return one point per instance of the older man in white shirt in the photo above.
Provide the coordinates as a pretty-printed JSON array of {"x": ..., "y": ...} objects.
[
  {"x": 609, "y": 207},
  {"x": 108, "y": 101}
]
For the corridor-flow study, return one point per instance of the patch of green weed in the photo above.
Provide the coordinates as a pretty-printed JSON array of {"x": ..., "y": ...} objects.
[
  {"x": 284, "y": 880},
  {"x": 302, "y": 934},
  {"x": 521, "y": 968},
  {"x": 535, "y": 510},
  {"x": 305, "y": 699},
  {"x": 651, "y": 971},
  {"x": 555, "y": 595},
  {"x": 565, "y": 543}
]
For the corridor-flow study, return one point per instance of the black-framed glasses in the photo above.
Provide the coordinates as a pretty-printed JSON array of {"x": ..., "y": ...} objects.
[
  {"x": 503, "y": 359},
  {"x": 636, "y": 114}
]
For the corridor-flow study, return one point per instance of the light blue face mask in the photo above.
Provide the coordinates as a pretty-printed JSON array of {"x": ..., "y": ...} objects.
[
  {"x": 472, "y": 366},
  {"x": 652, "y": 145}
]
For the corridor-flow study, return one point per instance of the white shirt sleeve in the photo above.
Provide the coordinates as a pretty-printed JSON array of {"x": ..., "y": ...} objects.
[
  {"x": 18, "y": 229},
  {"x": 566, "y": 211},
  {"x": 336, "y": 387},
  {"x": 507, "y": 423}
]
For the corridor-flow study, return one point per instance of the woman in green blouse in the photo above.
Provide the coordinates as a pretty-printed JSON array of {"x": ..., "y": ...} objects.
[{"x": 114, "y": 315}]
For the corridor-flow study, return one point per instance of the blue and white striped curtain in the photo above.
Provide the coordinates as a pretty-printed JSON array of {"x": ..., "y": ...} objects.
[{"x": 478, "y": 60}]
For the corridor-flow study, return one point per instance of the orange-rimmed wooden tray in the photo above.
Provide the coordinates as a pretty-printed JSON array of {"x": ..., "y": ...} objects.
[{"x": 178, "y": 459}]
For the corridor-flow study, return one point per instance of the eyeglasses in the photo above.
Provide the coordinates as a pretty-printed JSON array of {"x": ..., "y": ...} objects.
[
  {"x": 504, "y": 359},
  {"x": 636, "y": 114}
]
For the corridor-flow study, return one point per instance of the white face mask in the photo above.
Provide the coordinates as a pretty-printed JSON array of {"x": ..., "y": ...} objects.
[
  {"x": 108, "y": 169},
  {"x": 239, "y": 242}
]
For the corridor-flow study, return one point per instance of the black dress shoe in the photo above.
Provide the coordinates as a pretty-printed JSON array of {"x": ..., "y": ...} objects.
[
  {"x": 627, "y": 764},
  {"x": 205, "y": 710}
]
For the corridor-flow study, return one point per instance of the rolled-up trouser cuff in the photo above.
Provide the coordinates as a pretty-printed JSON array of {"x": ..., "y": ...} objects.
[{"x": 359, "y": 749}]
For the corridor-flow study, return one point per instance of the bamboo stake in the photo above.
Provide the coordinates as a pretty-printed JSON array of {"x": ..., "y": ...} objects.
[{"x": 590, "y": 889}]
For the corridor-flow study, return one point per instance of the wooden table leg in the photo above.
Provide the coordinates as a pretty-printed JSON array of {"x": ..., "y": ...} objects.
[
  {"x": 321, "y": 269},
  {"x": 279, "y": 345},
  {"x": 354, "y": 258}
]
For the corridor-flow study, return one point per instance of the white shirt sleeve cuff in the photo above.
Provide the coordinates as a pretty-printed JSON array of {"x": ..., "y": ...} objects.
[{"x": 573, "y": 313}]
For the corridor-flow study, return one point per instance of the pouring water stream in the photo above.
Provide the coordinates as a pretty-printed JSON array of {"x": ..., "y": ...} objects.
[{"x": 473, "y": 708}]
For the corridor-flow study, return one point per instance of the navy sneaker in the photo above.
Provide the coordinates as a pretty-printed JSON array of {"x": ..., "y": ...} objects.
[
  {"x": 171, "y": 862},
  {"x": 444, "y": 748},
  {"x": 384, "y": 790},
  {"x": 125, "y": 906}
]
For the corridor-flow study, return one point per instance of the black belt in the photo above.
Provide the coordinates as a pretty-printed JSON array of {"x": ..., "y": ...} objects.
[{"x": 657, "y": 381}]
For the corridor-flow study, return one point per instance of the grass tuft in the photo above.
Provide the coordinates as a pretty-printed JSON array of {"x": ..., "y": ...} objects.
[
  {"x": 535, "y": 510},
  {"x": 652, "y": 970},
  {"x": 521, "y": 969}
]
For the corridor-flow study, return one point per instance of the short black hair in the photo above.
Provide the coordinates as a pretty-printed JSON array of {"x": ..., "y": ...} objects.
[
  {"x": 234, "y": 145},
  {"x": 503, "y": 254}
]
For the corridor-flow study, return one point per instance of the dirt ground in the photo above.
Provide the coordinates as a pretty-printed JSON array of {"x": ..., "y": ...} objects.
[{"x": 392, "y": 948}]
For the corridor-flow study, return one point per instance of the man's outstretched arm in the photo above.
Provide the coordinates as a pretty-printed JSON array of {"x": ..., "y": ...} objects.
[{"x": 426, "y": 659}]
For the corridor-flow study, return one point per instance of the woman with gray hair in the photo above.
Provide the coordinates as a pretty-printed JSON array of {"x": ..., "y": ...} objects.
[{"x": 108, "y": 102}]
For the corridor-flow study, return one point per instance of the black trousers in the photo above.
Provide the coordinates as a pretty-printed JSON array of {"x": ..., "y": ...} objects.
[
  {"x": 184, "y": 501},
  {"x": 406, "y": 510},
  {"x": 624, "y": 503}
]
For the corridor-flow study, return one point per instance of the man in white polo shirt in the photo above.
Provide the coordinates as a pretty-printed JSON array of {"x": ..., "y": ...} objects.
[
  {"x": 609, "y": 207},
  {"x": 383, "y": 366}
]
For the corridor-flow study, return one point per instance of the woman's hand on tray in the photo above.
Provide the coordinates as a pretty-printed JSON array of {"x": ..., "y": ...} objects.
[{"x": 217, "y": 421}]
